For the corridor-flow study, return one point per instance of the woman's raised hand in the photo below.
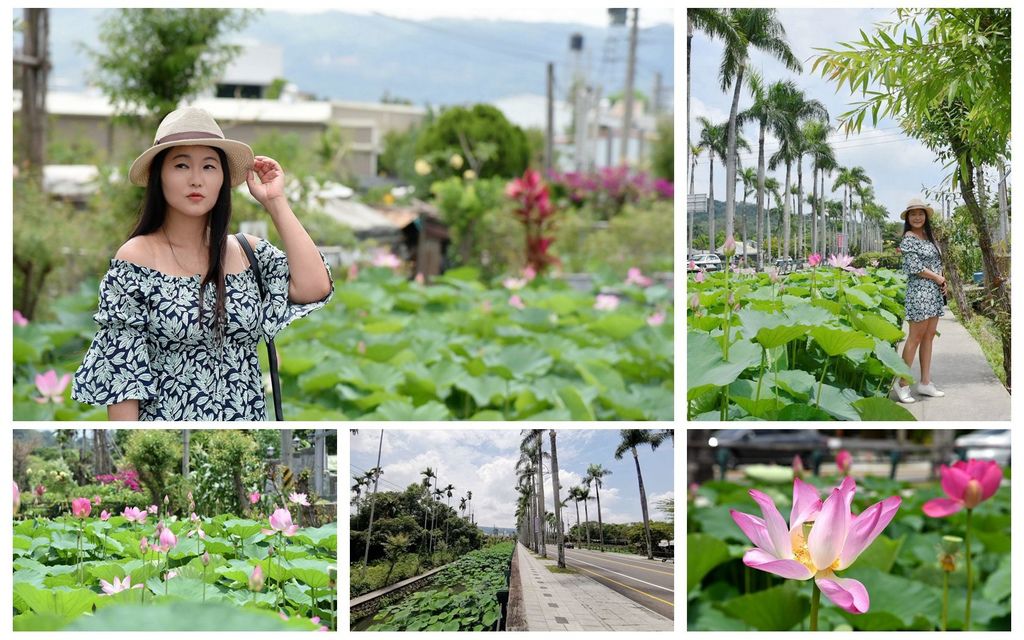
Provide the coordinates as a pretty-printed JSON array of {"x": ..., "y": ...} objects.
[{"x": 271, "y": 180}]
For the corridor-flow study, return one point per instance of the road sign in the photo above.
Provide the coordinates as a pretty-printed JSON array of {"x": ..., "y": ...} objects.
[{"x": 697, "y": 203}]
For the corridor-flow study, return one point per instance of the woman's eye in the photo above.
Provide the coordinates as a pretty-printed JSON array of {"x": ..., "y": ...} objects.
[
  {"x": 181, "y": 165},
  {"x": 210, "y": 166}
]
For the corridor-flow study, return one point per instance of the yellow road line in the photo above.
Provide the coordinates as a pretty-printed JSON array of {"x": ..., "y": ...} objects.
[
  {"x": 627, "y": 586},
  {"x": 634, "y": 566}
]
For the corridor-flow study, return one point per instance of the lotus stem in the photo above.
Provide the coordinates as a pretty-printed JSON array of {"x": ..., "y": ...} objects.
[
  {"x": 945, "y": 598},
  {"x": 815, "y": 602},
  {"x": 817, "y": 403},
  {"x": 760, "y": 374},
  {"x": 970, "y": 575}
]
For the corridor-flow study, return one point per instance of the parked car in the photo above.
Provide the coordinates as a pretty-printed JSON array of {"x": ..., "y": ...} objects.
[
  {"x": 786, "y": 265},
  {"x": 705, "y": 262},
  {"x": 749, "y": 446},
  {"x": 986, "y": 444},
  {"x": 568, "y": 545}
]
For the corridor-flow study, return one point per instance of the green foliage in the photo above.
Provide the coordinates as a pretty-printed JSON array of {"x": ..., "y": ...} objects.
[
  {"x": 881, "y": 259},
  {"x": 155, "y": 454},
  {"x": 463, "y": 205},
  {"x": 636, "y": 237},
  {"x": 54, "y": 475},
  {"x": 499, "y": 147},
  {"x": 152, "y": 59},
  {"x": 226, "y": 466},
  {"x": 663, "y": 158}
]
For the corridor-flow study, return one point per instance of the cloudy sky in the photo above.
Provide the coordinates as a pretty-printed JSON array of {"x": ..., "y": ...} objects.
[
  {"x": 484, "y": 461},
  {"x": 898, "y": 166},
  {"x": 528, "y": 11}
]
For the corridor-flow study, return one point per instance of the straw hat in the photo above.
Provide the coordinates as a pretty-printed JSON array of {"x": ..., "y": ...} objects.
[
  {"x": 916, "y": 203},
  {"x": 193, "y": 126}
]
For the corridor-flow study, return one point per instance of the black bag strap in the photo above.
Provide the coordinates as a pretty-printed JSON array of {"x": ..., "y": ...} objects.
[{"x": 275, "y": 378}]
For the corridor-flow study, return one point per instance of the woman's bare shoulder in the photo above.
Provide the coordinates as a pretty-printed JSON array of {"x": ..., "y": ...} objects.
[{"x": 138, "y": 250}]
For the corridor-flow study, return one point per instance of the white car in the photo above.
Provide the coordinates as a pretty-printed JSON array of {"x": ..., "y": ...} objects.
[
  {"x": 987, "y": 444},
  {"x": 706, "y": 262}
]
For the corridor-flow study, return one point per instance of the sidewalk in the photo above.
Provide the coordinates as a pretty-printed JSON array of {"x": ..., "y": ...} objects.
[
  {"x": 973, "y": 392},
  {"x": 574, "y": 602}
]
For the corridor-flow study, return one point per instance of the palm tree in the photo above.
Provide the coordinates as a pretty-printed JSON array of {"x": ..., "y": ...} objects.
[
  {"x": 595, "y": 478},
  {"x": 715, "y": 24},
  {"x": 357, "y": 488},
  {"x": 469, "y": 499},
  {"x": 822, "y": 156},
  {"x": 630, "y": 440},
  {"x": 771, "y": 186},
  {"x": 462, "y": 507},
  {"x": 748, "y": 176},
  {"x": 585, "y": 498},
  {"x": 534, "y": 441},
  {"x": 760, "y": 29},
  {"x": 557, "y": 498},
  {"x": 695, "y": 151},
  {"x": 712, "y": 139},
  {"x": 858, "y": 180},
  {"x": 428, "y": 475},
  {"x": 448, "y": 492},
  {"x": 574, "y": 495}
]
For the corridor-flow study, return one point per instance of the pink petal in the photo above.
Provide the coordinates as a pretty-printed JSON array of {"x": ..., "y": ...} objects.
[
  {"x": 271, "y": 532},
  {"x": 764, "y": 561},
  {"x": 990, "y": 480},
  {"x": 828, "y": 535},
  {"x": 805, "y": 502},
  {"x": 846, "y": 593},
  {"x": 754, "y": 528},
  {"x": 942, "y": 507},
  {"x": 866, "y": 527},
  {"x": 954, "y": 481},
  {"x": 107, "y": 587},
  {"x": 290, "y": 531},
  {"x": 778, "y": 532}
]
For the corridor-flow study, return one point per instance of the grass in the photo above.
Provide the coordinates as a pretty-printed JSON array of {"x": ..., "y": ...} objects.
[
  {"x": 556, "y": 569},
  {"x": 984, "y": 332}
]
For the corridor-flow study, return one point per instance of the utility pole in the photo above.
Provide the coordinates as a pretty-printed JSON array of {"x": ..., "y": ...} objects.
[
  {"x": 1003, "y": 207},
  {"x": 35, "y": 66},
  {"x": 376, "y": 479},
  {"x": 185, "y": 441},
  {"x": 627, "y": 117},
  {"x": 549, "y": 131},
  {"x": 580, "y": 107},
  {"x": 656, "y": 99}
]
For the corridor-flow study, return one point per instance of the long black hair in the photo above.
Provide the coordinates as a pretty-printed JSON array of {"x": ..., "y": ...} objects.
[
  {"x": 153, "y": 212},
  {"x": 927, "y": 227}
]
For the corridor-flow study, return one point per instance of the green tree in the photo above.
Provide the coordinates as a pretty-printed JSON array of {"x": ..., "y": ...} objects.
[
  {"x": 595, "y": 478},
  {"x": 663, "y": 156},
  {"x": 630, "y": 440},
  {"x": 758, "y": 29},
  {"x": 154, "y": 454},
  {"x": 946, "y": 79},
  {"x": 712, "y": 140},
  {"x": 481, "y": 135},
  {"x": 394, "y": 546},
  {"x": 152, "y": 59}
]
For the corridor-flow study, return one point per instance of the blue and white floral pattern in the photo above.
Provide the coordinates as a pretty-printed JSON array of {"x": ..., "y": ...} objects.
[
  {"x": 924, "y": 297},
  {"x": 152, "y": 347}
]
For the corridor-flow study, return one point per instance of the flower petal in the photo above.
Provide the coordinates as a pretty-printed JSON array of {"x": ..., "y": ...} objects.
[
  {"x": 755, "y": 529},
  {"x": 954, "y": 481},
  {"x": 828, "y": 534},
  {"x": 777, "y": 529},
  {"x": 764, "y": 561},
  {"x": 990, "y": 480},
  {"x": 846, "y": 593},
  {"x": 942, "y": 507},
  {"x": 866, "y": 527},
  {"x": 805, "y": 503}
]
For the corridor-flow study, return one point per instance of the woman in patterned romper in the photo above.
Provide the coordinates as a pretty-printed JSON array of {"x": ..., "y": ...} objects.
[
  {"x": 180, "y": 313},
  {"x": 926, "y": 290}
]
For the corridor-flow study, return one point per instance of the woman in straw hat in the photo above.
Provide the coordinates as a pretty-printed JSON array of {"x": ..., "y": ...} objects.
[
  {"x": 180, "y": 312},
  {"x": 926, "y": 291}
]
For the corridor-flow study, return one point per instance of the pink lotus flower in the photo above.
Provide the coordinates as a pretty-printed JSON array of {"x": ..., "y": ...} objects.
[
  {"x": 281, "y": 521},
  {"x": 517, "y": 302},
  {"x": 134, "y": 514},
  {"x": 729, "y": 248},
  {"x": 387, "y": 259},
  {"x": 20, "y": 320},
  {"x": 104, "y": 515},
  {"x": 635, "y": 276},
  {"x": 51, "y": 388},
  {"x": 798, "y": 467},
  {"x": 81, "y": 507},
  {"x": 513, "y": 284},
  {"x": 167, "y": 540},
  {"x": 170, "y": 574},
  {"x": 529, "y": 273},
  {"x": 97, "y": 501},
  {"x": 814, "y": 259},
  {"x": 256, "y": 579},
  {"x": 821, "y": 538},
  {"x": 967, "y": 484},
  {"x": 353, "y": 271},
  {"x": 153, "y": 509},
  {"x": 699, "y": 277},
  {"x": 694, "y": 302},
  {"x": 17, "y": 497},
  {"x": 254, "y": 497},
  {"x": 606, "y": 302},
  {"x": 118, "y": 586},
  {"x": 144, "y": 545},
  {"x": 656, "y": 319},
  {"x": 841, "y": 261},
  {"x": 844, "y": 461},
  {"x": 773, "y": 274},
  {"x": 299, "y": 498}
]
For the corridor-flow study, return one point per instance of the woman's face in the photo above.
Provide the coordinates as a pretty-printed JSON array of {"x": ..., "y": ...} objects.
[
  {"x": 917, "y": 218},
  {"x": 192, "y": 177}
]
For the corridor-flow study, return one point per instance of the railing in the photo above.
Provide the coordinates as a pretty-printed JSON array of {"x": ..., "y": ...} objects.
[{"x": 503, "y": 594}]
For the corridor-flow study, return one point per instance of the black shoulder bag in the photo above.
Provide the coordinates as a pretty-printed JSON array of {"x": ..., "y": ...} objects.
[{"x": 275, "y": 378}]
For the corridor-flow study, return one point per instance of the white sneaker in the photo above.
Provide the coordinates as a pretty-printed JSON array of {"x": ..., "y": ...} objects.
[
  {"x": 929, "y": 390},
  {"x": 902, "y": 393}
]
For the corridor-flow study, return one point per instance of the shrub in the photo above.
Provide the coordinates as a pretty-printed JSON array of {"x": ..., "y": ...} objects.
[
  {"x": 226, "y": 465},
  {"x": 885, "y": 259},
  {"x": 155, "y": 454}
]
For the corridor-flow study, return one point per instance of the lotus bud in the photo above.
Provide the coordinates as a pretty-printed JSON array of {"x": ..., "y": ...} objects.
[
  {"x": 798, "y": 467},
  {"x": 206, "y": 558},
  {"x": 729, "y": 249},
  {"x": 256, "y": 579},
  {"x": 694, "y": 302}
]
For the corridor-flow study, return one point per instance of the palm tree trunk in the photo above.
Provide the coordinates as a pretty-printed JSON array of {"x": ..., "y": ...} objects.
[
  {"x": 643, "y": 505},
  {"x": 540, "y": 495},
  {"x": 711, "y": 202},
  {"x": 730, "y": 156},
  {"x": 745, "y": 245},
  {"x": 760, "y": 197},
  {"x": 558, "y": 508},
  {"x": 577, "y": 523},
  {"x": 586, "y": 514},
  {"x": 800, "y": 204},
  {"x": 814, "y": 208},
  {"x": 785, "y": 214},
  {"x": 600, "y": 525}
]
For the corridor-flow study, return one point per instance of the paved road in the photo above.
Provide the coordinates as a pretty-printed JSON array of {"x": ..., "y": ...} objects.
[{"x": 646, "y": 582}]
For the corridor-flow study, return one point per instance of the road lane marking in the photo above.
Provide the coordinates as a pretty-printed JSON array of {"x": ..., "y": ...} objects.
[
  {"x": 656, "y": 586},
  {"x": 621, "y": 556},
  {"x": 629, "y": 587},
  {"x": 626, "y": 564}
]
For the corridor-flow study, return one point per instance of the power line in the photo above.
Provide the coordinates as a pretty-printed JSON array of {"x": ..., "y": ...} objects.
[{"x": 752, "y": 155}]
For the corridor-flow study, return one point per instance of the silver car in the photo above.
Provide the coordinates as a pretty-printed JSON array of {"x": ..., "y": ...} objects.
[{"x": 987, "y": 444}]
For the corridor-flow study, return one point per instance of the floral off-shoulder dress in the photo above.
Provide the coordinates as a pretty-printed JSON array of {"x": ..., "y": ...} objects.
[
  {"x": 924, "y": 297},
  {"x": 152, "y": 347}
]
